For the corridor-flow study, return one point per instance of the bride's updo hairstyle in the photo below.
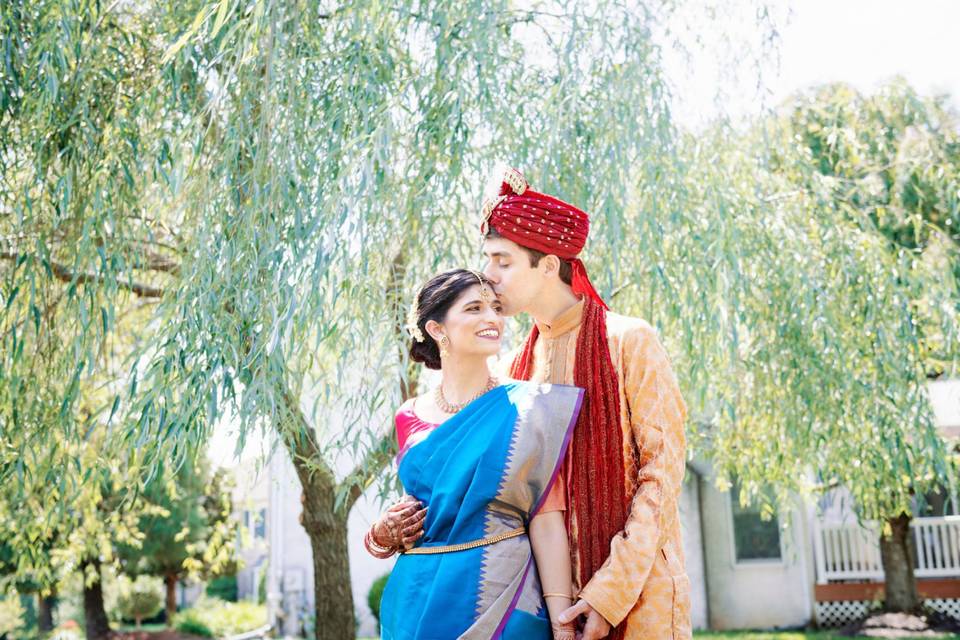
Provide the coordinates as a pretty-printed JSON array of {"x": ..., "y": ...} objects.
[{"x": 432, "y": 303}]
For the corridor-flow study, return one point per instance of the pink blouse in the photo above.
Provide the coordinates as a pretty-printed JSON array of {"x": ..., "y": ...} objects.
[{"x": 409, "y": 424}]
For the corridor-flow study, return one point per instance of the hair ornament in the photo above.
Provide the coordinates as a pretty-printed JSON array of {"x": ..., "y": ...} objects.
[{"x": 413, "y": 322}]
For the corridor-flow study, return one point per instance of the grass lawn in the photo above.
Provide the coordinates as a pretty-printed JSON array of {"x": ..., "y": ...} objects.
[{"x": 144, "y": 627}]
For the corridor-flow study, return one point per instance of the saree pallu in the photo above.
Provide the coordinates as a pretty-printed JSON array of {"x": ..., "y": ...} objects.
[{"x": 484, "y": 472}]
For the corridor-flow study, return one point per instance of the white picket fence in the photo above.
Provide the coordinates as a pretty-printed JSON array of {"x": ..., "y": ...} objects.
[
  {"x": 851, "y": 552},
  {"x": 256, "y": 634}
]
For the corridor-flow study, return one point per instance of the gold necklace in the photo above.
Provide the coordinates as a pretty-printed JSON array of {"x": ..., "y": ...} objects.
[{"x": 448, "y": 407}]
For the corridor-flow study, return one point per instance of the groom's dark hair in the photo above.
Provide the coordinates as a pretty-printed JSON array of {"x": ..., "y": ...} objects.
[{"x": 566, "y": 269}]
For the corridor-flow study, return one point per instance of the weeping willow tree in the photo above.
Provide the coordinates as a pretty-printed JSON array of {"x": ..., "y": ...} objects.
[
  {"x": 889, "y": 163},
  {"x": 84, "y": 256},
  {"x": 268, "y": 181},
  {"x": 277, "y": 176},
  {"x": 338, "y": 162},
  {"x": 803, "y": 265}
]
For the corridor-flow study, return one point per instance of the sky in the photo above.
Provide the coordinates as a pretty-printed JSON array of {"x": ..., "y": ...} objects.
[{"x": 857, "y": 41}]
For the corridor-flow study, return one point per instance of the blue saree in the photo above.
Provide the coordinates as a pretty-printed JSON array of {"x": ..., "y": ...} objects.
[{"x": 482, "y": 473}]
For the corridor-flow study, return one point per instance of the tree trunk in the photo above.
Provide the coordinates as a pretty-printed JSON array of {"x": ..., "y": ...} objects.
[
  {"x": 331, "y": 570},
  {"x": 97, "y": 625},
  {"x": 171, "y": 582},
  {"x": 327, "y": 530},
  {"x": 45, "y": 607},
  {"x": 325, "y": 522},
  {"x": 137, "y": 620},
  {"x": 898, "y": 562}
]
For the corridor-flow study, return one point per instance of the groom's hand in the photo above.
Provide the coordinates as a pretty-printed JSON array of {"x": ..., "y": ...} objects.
[{"x": 596, "y": 626}]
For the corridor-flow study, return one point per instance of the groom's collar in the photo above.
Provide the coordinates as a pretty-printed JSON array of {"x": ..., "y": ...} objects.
[{"x": 564, "y": 323}]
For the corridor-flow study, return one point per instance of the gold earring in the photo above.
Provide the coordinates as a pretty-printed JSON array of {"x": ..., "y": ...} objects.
[{"x": 444, "y": 344}]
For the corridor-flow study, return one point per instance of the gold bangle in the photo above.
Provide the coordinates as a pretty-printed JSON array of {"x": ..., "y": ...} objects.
[{"x": 558, "y": 595}]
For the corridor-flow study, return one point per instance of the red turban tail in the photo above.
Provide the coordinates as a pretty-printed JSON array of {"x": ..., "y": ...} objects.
[{"x": 581, "y": 283}]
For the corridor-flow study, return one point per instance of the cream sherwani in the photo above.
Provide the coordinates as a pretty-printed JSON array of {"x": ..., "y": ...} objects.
[{"x": 644, "y": 580}]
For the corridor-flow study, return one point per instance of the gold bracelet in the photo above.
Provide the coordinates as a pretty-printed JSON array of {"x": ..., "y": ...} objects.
[{"x": 558, "y": 595}]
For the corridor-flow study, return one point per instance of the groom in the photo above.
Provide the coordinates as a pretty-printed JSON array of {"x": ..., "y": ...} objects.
[{"x": 624, "y": 470}]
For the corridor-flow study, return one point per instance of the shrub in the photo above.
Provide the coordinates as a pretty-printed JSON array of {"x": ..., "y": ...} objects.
[
  {"x": 11, "y": 615},
  {"x": 215, "y": 618},
  {"x": 69, "y": 630},
  {"x": 262, "y": 584},
  {"x": 191, "y": 621},
  {"x": 140, "y": 598},
  {"x": 223, "y": 588},
  {"x": 376, "y": 594}
]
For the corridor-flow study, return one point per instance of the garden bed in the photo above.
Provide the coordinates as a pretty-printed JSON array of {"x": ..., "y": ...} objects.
[{"x": 904, "y": 625}]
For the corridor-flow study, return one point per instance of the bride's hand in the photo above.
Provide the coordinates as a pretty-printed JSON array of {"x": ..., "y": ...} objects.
[
  {"x": 401, "y": 525},
  {"x": 566, "y": 631}
]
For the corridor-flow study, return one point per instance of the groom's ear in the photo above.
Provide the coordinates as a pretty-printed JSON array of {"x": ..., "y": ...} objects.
[{"x": 550, "y": 265}]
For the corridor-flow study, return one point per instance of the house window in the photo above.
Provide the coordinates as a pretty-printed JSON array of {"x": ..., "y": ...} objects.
[
  {"x": 255, "y": 524},
  {"x": 260, "y": 528},
  {"x": 753, "y": 537},
  {"x": 936, "y": 504}
]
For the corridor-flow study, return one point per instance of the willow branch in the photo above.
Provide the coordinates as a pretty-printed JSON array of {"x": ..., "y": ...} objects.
[
  {"x": 379, "y": 455},
  {"x": 65, "y": 274}
]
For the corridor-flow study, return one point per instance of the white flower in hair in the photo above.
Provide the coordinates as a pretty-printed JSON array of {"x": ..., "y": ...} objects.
[{"x": 413, "y": 324}]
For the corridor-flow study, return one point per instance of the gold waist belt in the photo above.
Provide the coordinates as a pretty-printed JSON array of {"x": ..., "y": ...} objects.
[{"x": 463, "y": 546}]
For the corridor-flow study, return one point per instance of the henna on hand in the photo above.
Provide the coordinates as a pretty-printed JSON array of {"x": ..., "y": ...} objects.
[
  {"x": 400, "y": 526},
  {"x": 562, "y": 631}
]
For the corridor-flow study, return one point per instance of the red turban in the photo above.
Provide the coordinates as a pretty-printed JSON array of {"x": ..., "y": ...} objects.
[{"x": 541, "y": 222}]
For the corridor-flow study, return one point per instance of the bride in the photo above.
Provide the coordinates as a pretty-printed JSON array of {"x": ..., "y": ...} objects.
[{"x": 479, "y": 459}]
